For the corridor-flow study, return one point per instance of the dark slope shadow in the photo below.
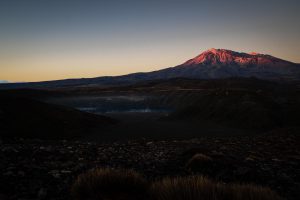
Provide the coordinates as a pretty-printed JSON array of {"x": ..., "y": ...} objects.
[
  {"x": 28, "y": 118},
  {"x": 155, "y": 126}
]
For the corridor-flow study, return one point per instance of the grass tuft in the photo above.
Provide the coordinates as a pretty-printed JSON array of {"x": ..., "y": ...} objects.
[
  {"x": 201, "y": 188},
  {"x": 112, "y": 184},
  {"x": 109, "y": 184},
  {"x": 199, "y": 161}
]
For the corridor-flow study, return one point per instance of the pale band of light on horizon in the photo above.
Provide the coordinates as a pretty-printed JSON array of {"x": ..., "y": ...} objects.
[{"x": 59, "y": 39}]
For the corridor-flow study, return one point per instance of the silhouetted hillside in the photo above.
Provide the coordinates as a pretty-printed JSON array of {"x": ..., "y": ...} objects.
[
  {"x": 245, "y": 108},
  {"x": 30, "y": 118}
]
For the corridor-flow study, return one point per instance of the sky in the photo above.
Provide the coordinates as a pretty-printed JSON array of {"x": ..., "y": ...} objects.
[{"x": 59, "y": 39}]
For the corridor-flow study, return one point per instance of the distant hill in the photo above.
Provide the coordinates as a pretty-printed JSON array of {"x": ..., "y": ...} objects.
[{"x": 211, "y": 64}]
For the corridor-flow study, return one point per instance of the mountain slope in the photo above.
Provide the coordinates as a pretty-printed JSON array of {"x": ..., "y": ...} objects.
[{"x": 211, "y": 64}]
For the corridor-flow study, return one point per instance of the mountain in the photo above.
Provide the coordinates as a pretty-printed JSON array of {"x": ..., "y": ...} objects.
[
  {"x": 222, "y": 63},
  {"x": 211, "y": 64},
  {"x": 3, "y": 81}
]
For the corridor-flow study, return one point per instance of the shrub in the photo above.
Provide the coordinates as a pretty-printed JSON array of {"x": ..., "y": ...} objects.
[
  {"x": 200, "y": 188},
  {"x": 109, "y": 184}
]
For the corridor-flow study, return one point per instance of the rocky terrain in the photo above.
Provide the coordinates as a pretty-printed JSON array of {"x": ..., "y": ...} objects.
[{"x": 45, "y": 169}]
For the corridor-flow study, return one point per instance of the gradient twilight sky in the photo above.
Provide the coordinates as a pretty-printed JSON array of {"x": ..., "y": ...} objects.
[{"x": 57, "y": 39}]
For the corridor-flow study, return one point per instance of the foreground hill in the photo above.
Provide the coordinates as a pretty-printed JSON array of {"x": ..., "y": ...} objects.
[
  {"x": 26, "y": 117},
  {"x": 211, "y": 64}
]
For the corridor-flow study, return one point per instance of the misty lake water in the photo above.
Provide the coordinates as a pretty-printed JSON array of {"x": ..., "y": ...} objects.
[
  {"x": 114, "y": 104},
  {"x": 135, "y": 110}
]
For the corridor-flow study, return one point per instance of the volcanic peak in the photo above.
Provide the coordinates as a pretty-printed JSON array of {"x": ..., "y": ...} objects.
[{"x": 225, "y": 57}]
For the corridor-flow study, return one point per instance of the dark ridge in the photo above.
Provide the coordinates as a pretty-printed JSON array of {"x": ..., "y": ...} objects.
[{"x": 30, "y": 118}]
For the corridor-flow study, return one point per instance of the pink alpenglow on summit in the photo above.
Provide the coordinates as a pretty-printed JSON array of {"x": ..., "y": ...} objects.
[{"x": 226, "y": 57}]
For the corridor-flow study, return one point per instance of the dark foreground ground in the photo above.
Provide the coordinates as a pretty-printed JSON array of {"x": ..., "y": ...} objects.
[
  {"x": 240, "y": 130},
  {"x": 44, "y": 169}
]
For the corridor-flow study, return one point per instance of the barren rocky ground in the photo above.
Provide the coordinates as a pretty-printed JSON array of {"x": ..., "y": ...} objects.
[{"x": 45, "y": 169}]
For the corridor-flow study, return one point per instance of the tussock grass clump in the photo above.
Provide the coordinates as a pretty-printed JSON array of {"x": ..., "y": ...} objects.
[
  {"x": 109, "y": 184},
  {"x": 112, "y": 184},
  {"x": 199, "y": 161},
  {"x": 201, "y": 157},
  {"x": 201, "y": 188}
]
